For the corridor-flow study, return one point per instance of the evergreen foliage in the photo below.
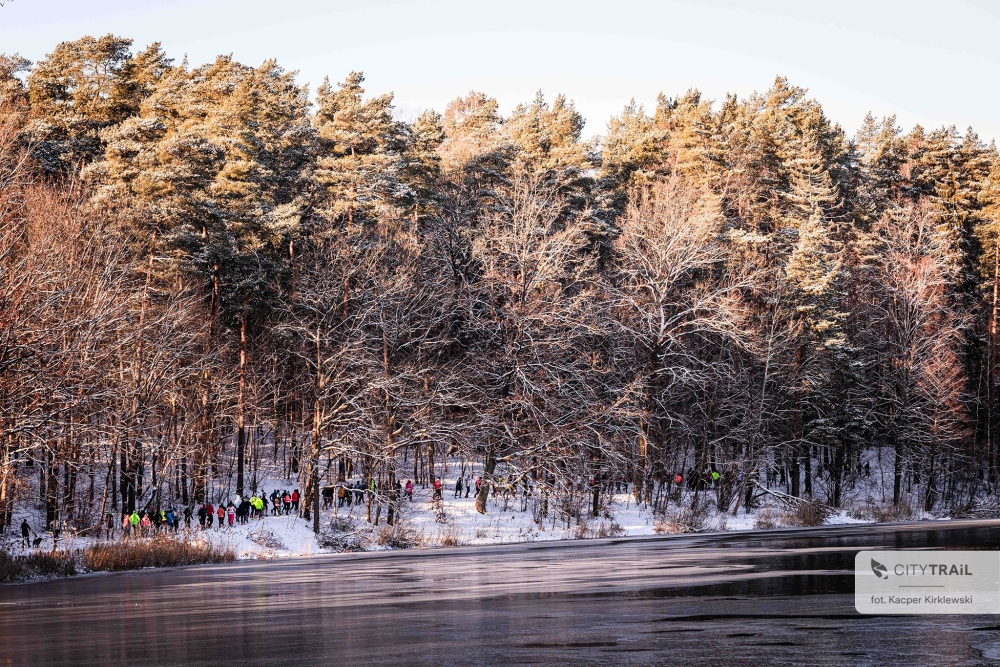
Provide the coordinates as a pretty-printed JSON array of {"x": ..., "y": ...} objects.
[{"x": 193, "y": 256}]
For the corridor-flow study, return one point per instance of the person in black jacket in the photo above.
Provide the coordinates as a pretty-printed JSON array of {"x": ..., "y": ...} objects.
[
  {"x": 25, "y": 529},
  {"x": 244, "y": 511}
]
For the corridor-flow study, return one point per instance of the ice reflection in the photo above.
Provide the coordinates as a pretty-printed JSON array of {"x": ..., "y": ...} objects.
[{"x": 781, "y": 598}]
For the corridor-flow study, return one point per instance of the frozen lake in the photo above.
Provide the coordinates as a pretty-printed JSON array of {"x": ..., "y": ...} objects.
[{"x": 773, "y": 597}]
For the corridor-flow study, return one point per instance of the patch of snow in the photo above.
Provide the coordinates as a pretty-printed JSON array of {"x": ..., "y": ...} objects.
[{"x": 454, "y": 520}]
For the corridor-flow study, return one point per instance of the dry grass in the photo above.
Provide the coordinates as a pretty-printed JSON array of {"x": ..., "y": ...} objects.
[
  {"x": 685, "y": 519},
  {"x": 889, "y": 513},
  {"x": 666, "y": 527},
  {"x": 111, "y": 557},
  {"x": 155, "y": 552},
  {"x": 37, "y": 564},
  {"x": 612, "y": 529},
  {"x": 398, "y": 536},
  {"x": 802, "y": 514},
  {"x": 808, "y": 514},
  {"x": 768, "y": 518},
  {"x": 450, "y": 536}
]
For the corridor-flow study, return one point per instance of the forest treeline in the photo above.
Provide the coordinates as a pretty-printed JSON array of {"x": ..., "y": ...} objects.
[{"x": 205, "y": 271}]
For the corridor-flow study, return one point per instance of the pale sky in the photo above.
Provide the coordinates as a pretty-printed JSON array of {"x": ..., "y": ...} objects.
[{"x": 933, "y": 63}]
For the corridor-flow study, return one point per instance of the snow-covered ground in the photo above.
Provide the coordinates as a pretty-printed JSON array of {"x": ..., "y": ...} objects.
[
  {"x": 270, "y": 537},
  {"x": 455, "y": 521},
  {"x": 451, "y": 521},
  {"x": 462, "y": 524}
]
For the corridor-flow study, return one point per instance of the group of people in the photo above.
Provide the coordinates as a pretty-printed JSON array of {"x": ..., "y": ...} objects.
[
  {"x": 284, "y": 502},
  {"x": 280, "y": 502},
  {"x": 152, "y": 521},
  {"x": 462, "y": 484},
  {"x": 347, "y": 494},
  {"x": 353, "y": 493},
  {"x": 234, "y": 511},
  {"x": 239, "y": 510},
  {"x": 242, "y": 510}
]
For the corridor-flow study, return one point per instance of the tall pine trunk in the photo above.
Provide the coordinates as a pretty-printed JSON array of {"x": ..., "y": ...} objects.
[
  {"x": 311, "y": 500},
  {"x": 241, "y": 438},
  {"x": 992, "y": 441}
]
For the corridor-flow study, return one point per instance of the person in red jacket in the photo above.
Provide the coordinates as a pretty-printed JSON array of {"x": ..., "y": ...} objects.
[
  {"x": 437, "y": 488},
  {"x": 295, "y": 500}
]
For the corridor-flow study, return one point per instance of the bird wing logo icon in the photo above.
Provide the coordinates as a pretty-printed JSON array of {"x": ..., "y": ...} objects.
[{"x": 879, "y": 570}]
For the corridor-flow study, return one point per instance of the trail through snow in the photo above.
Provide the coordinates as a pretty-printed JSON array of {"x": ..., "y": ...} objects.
[{"x": 452, "y": 521}]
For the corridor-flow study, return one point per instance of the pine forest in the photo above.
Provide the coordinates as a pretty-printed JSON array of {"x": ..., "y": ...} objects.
[{"x": 212, "y": 275}]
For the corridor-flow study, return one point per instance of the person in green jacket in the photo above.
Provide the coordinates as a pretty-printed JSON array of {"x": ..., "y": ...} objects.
[{"x": 134, "y": 521}]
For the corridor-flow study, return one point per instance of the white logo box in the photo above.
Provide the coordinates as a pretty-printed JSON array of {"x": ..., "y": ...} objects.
[{"x": 927, "y": 582}]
